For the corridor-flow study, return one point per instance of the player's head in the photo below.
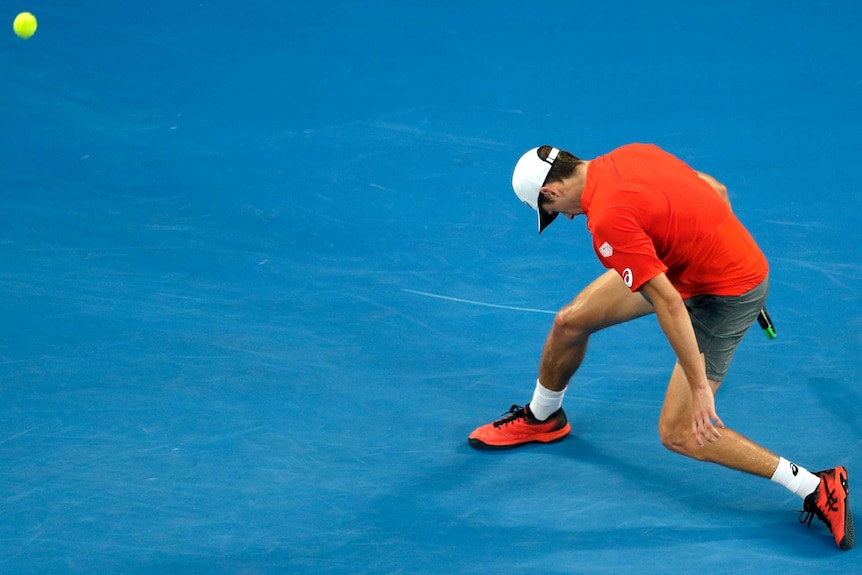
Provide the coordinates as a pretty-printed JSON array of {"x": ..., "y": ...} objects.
[{"x": 537, "y": 168}]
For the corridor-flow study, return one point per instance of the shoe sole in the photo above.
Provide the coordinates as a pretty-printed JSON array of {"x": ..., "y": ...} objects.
[
  {"x": 849, "y": 535},
  {"x": 549, "y": 437}
]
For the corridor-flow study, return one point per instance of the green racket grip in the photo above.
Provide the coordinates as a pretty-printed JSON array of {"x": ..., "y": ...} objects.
[{"x": 766, "y": 324}]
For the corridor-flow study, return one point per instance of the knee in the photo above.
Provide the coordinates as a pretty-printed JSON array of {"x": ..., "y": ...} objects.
[
  {"x": 676, "y": 437},
  {"x": 571, "y": 324}
]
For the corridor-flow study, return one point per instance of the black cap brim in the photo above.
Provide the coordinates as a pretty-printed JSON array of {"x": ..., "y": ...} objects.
[{"x": 545, "y": 218}]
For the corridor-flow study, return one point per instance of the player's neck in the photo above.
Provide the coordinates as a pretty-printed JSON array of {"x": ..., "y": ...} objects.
[{"x": 579, "y": 179}]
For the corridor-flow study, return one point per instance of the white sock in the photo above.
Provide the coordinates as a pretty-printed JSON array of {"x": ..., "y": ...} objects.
[
  {"x": 795, "y": 478},
  {"x": 545, "y": 402}
]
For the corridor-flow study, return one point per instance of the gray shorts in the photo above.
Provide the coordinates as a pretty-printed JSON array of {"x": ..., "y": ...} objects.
[{"x": 720, "y": 322}]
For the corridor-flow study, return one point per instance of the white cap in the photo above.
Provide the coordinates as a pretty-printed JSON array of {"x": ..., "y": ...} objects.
[{"x": 529, "y": 177}]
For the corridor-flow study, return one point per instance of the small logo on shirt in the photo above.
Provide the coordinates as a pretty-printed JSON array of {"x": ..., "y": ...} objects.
[
  {"x": 628, "y": 277},
  {"x": 606, "y": 250}
]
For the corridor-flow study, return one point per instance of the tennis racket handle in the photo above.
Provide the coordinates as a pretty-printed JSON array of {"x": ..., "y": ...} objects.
[{"x": 766, "y": 324}]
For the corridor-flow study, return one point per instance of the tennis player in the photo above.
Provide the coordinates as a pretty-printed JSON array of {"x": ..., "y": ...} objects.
[{"x": 674, "y": 248}]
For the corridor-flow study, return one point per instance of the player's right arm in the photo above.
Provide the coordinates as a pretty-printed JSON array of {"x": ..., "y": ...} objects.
[{"x": 675, "y": 322}]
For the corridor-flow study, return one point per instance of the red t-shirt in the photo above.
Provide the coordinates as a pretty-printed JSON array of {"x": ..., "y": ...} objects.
[{"x": 649, "y": 212}]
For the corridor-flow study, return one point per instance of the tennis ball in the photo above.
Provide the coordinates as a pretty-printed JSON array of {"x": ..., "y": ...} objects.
[{"x": 24, "y": 25}]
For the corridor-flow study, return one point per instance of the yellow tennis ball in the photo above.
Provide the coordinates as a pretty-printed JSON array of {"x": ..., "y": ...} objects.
[{"x": 24, "y": 25}]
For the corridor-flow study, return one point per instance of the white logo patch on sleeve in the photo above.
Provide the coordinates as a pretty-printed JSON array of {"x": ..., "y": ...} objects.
[{"x": 606, "y": 250}]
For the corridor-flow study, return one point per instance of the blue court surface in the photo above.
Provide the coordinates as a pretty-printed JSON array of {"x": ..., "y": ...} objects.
[{"x": 262, "y": 273}]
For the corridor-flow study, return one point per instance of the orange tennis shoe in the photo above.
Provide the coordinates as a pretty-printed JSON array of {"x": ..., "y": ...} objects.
[
  {"x": 831, "y": 504},
  {"x": 517, "y": 427}
]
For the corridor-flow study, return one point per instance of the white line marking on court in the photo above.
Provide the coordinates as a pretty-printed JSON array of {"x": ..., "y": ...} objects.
[
  {"x": 481, "y": 303},
  {"x": 17, "y": 435}
]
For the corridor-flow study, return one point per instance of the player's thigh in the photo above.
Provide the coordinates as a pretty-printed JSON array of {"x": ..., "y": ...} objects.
[{"x": 605, "y": 302}]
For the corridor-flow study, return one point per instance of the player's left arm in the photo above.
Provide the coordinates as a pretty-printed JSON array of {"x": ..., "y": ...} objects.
[
  {"x": 763, "y": 319},
  {"x": 719, "y": 188},
  {"x": 675, "y": 322}
]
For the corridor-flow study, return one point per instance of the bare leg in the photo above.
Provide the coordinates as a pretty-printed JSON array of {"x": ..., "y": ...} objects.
[
  {"x": 732, "y": 450},
  {"x": 605, "y": 302}
]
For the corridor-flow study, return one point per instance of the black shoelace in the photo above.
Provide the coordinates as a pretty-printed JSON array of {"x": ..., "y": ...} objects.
[
  {"x": 515, "y": 412},
  {"x": 807, "y": 515}
]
